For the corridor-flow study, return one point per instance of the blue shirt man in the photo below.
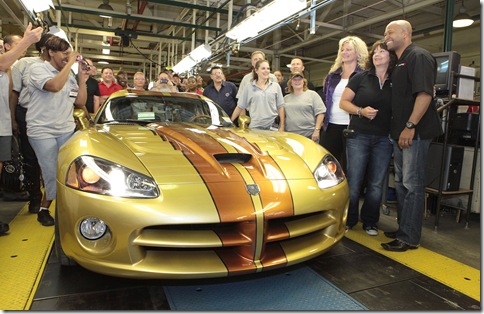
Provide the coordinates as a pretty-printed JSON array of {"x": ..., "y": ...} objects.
[{"x": 221, "y": 92}]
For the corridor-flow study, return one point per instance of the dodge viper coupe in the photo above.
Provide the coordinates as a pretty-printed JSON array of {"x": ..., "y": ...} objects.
[{"x": 164, "y": 186}]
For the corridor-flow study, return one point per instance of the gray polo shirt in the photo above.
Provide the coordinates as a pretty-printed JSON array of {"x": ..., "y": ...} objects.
[
  {"x": 301, "y": 111},
  {"x": 5, "y": 118},
  {"x": 20, "y": 78},
  {"x": 247, "y": 80},
  {"x": 263, "y": 104},
  {"x": 50, "y": 114}
]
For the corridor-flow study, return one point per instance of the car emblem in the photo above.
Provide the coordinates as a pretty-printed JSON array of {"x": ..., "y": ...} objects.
[{"x": 253, "y": 189}]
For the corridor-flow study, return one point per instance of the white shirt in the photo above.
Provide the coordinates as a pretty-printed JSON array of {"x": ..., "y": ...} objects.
[{"x": 338, "y": 115}]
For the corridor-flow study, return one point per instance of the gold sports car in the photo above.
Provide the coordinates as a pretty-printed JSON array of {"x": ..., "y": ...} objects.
[{"x": 163, "y": 185}]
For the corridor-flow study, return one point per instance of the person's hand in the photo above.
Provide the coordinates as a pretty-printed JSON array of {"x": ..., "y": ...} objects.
[
  {"x": 315, "y": 136},
  {"x": 406, "y": 137},
  {"x": 369, "y": 112},
  {"x": 32, "y": 35},
  {"x": 15, "y": 128}
]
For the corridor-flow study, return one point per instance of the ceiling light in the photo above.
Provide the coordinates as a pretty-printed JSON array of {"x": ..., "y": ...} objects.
[
  {"x": 106, "y": 51},
  {"x": 194, "y": 57},
  {"x": 105, "y": 6},
  {"x": 36, "y": 6},
  {"x": 463, "y": 19},
  {"x": 267, "y": 16},
  {"x": 103, "y": 62}
]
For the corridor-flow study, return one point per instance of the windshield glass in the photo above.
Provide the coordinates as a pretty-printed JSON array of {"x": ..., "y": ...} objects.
[{"x": 145, "y": 109}]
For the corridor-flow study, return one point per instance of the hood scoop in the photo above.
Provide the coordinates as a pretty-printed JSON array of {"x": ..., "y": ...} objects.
[{"x": 232, "y": 158}]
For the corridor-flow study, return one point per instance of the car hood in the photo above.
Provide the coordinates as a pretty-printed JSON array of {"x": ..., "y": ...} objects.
[{"x": 182, "y": 153}]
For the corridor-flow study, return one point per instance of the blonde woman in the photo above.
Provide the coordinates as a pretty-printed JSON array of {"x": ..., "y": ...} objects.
[{"x": 352, "y": 58}]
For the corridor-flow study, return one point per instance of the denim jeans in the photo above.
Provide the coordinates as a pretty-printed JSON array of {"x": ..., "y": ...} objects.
[
  {"x": 410, "y": 187},
  {"x": 47, "y": 151},
  {"x": 370, "y": 155}
]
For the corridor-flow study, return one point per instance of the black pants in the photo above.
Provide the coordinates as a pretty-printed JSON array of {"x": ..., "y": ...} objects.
[
  {"x": 32, "y": 168},
  {"x": 332, "y": 139}
]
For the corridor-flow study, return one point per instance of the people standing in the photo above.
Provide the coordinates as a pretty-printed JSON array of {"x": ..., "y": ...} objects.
[
  {"x": 297, "y": 65},
  {"x": 220, "y": 91},
  {"x": 367, "y": 98},
  {"x": 93, "y": 93},
  {"x": 50, "y": 122},
  {"x": 263, "y": 99},
  {"x": 164, "y": 84},
  {"x": 352, "y": 58},
  {"x": 304, "y": 109},
  {"x": 414, "y": 124},
  {"x": 139, "y": 81},
  {"x": 200, "y": 83},
  {"x": 192, "y": 86},
  {"x": 19, "y": 102},
  {"x": 249, "y": 77},
  {"x": 6, "y": 60},
  {"x": 279, "y": 76},
  {"x": 107, "y": 86}
]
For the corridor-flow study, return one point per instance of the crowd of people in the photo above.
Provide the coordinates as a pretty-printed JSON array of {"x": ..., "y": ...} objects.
[{"x": 375, "y": 103}]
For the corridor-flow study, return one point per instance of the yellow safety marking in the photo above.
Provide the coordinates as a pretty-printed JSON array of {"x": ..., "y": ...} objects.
[
  {"x": 461, "y": 277},
  {"x": 24, "y": 252}
]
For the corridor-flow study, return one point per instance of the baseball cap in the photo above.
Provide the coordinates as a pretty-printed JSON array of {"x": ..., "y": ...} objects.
[{"x": 293, "y": 75}]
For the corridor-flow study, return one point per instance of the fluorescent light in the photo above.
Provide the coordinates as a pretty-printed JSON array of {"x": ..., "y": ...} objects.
[
  {"x": 194, "y": 57},
  {"x": 267, "y": 16},
  {"x": 106, "y": 51},
  {"x": 103, "y": 62},
  {"x": 37, "y": 6}
]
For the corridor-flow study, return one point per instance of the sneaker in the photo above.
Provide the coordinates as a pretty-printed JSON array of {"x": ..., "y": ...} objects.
[
  {"x": 34, "y": 207},
  {"x": 372, "y": 230},
  {"x": 3, "y": 227},
  {"x": 45, "y": 218}
]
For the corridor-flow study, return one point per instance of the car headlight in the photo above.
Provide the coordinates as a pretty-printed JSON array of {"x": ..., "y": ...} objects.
[
  {"x": 328, "y": 173},
  {"x": 96, "y": 175},
  {"x": 92, "y": 228}
]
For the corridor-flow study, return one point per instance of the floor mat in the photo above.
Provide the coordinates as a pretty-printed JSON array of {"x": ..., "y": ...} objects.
[
  {"x": 24, "y": 252},
  {"x": 299, "y": 289}
]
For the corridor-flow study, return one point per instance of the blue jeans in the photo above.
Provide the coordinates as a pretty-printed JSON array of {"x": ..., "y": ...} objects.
[
  {"x": 370, "y": 155},
  {"x": 410, "y": 187},
  {"x": 47, "y": 151}
]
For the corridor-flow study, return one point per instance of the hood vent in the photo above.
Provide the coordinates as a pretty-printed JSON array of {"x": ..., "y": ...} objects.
[{"x": 233, "y": 158}]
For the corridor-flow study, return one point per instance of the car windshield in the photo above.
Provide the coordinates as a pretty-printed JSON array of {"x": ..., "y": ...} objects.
[{"x": 153, "y": 108}]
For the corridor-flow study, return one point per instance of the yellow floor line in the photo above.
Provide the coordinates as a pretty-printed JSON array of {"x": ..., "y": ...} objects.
[
  {"x": 461, "y": 277},
  {"x": 24, "y": 252}
]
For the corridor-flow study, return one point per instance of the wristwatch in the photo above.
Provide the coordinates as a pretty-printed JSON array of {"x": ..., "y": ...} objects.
[{"x": 410, "y": 125}]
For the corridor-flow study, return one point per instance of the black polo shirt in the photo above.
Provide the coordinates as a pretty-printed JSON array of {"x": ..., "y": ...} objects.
[
  {"x": 414, "y": 72},
  {"x": 366, "y": 87},
  {"x": 225, "y": 97}
]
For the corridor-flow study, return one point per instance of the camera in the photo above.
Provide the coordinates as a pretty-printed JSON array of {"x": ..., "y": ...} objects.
[
  {"x": 84, "y": 65},
  {"x": 163, "y": 81},
  {"x": 349, "y": 133}
]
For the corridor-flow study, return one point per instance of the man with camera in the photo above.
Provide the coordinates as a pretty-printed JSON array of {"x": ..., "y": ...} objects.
[{"x": 164, "y": 84}]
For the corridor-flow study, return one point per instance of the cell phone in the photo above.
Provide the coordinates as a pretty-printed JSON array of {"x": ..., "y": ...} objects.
[{"x": 163, "y": 81}]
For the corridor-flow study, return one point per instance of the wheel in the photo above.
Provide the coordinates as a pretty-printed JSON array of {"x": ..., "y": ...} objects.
[
  {"x": 59, "y": 252},
  {"x": 385, "y": 209}
]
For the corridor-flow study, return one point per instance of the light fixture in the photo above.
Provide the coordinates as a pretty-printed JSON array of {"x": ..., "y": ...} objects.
[
  {"x": 106, "y": 51},
  {"x": 463, "y": 19},
  {"x": 105, "y": 6},
  {"x": 267, "y": 16},
  {"x": 36, "y": 6},
  {"x": 194, "y": 57},
  {"x": 103, "y": 62}
]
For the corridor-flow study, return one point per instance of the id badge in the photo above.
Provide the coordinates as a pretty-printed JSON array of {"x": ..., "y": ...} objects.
[{"x": 73, "y": 93}]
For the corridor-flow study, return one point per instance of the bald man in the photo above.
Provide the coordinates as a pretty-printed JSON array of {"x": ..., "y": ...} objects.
[
  {"x": 297, "y": 65},
  {"x": 415, "y": 123}
]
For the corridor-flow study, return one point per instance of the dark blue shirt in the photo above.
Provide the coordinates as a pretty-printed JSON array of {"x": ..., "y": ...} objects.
[{"x": 225, "y": 97}]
